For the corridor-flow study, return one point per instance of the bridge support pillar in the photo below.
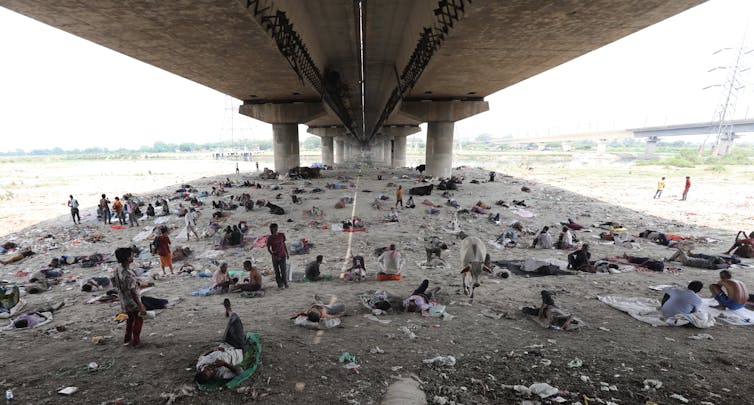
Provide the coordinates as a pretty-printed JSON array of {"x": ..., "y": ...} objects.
[
  {"x": 649, "y": 151},
  {"x": 284, "y": 118},
  {"x": 340, "y": 152},
  {"x": 725, "y": 146},
  {"x": 601, "y": 146},
  {"x": 398, "y": 134},
  {"x": 327, "y": 136},
  {"x": 441, "y": 117}
]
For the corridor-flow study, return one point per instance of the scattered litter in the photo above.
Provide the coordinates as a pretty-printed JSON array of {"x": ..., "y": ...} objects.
[
  {"x": 447, "y": 361},
  {"x": 604, "y": 329},
  {"x": 407, "y": 331},
  {"x": 702, "y": 336},
  {"x": 652, "y": 384},
  {"x": 680, "y": 398},
  {"x": 575, "y": 363},
  {"x": 374, "y": 318},
  {"x": 68, "y": 390},
  {"x": 349, "y": 361},
  {"x": 544, "y": 390},
  {"x": 376, "y": 350},
  {"x": 92, "y": 366}
]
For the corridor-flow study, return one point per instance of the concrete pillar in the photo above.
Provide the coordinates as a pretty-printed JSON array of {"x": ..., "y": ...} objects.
[
  {"x": 328, "y": 156},
  {"x": 651, "y": 146},
  {"x": 340, "y": 152},
  {"x": 439, "y": 153},
  {"x": 725, "y": 146},
  {"x": 399, "y": 152},
  {"x": 285, "y": 149},
  {"x": 601, "y": 146},
  {"x": 441, "y": 116},
  {"x": 284, "y": 118},
  {"x": 398, "y": 135},
  {"x": 387, "y": 151}
]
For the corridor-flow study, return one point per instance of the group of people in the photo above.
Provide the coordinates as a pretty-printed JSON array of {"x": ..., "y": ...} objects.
[
  {"x": 727, "y": 291},
  {"x": 661, "y": 188}
]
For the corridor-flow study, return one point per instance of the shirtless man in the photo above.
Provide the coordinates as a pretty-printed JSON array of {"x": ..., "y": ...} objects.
[{"x": 728, "y": 292}]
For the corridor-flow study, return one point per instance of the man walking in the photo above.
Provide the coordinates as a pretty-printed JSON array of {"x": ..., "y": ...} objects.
[
  {"x": 279, "y": 252},
  {"x": 119, "y": 212},
  {"x": 131, "y": 209},
  {"x": 660, "y": 187},
  {"x": 74, "y": 204},
  {"x": 399, "y": 196},
  {"x": 163, "y": 250},
  {"x": 190, "y": 224}
]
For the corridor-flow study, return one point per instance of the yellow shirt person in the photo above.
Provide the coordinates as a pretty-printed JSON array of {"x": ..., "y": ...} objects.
[{"x": 660, "y": 187}]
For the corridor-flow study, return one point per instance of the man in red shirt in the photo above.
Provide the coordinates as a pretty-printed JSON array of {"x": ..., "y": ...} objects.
[
  {"x": 163, "y": 249},
  {"x": 279, "y": 252},
  {"x": 686, "y": 190}
]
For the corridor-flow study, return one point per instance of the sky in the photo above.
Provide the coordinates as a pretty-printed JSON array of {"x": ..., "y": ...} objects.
[{"x": 58, "y": 90}]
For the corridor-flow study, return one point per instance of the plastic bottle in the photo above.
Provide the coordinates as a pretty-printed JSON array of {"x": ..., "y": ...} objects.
[{"x": 9, "y": 395}]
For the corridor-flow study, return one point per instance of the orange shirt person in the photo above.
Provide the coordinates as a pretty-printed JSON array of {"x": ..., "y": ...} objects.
[{"x": 163, "y": 250}]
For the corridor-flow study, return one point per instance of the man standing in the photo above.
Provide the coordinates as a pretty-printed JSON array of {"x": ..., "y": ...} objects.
[
  {"x": 660, "y": 187},
  {"x": 118, "y": 208},
  {"x": 125, "y": 282},
  {"x": 190, "y": 224},
  {"x": 399, "y": 196},
  {"x": 728, "y": 292},
  {"x": 686, "y": 189},
  {"x": 279, "y": 252},
  {"x": 74, "y": 204},
  {"x": 163, "y": 250},
  {"x": 104, "y": 206},
  {"x": 131, "y": 208},
  {"x": 312, "y": 270}
]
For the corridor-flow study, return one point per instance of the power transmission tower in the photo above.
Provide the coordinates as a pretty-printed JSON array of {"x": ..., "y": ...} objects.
[{"x": 725, "y": 111}]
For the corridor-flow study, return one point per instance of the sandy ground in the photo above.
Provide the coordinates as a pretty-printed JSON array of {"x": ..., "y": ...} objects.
[{"x": 301, "y": 365}]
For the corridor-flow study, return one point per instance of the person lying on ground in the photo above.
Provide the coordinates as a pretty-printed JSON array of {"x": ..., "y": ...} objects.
[
  {"x": 223, "y": 362},
  {"x": 319, "y": 311},
  {"x": 579, "y": 260},
  {"x": 312, "y": 272},
  {"x": 565, "y": 240},
  {"x": 551, "y": 315},
  {"x": 744, "y": 246},
  {"x": 646, "y": 262},
  {"x": 708, "y": 262},
  {"x": 420, "y": 300},
  {"x": 728, "y": 292},
  {"x": 543, "y": 240},
  {"x": 681, "y": 301},
  {"x": 572, "y": 225},
  {"x": 384, "y": 301},
  {"x": 96, "y": 284},
  {"x": 24, "y": 253}
]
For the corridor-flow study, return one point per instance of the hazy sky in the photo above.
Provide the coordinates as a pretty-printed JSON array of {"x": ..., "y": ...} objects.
[{"x": 60, "y": 90}]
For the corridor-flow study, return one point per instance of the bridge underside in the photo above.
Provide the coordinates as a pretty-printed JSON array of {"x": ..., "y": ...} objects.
[{"x": 361, "y": 72}]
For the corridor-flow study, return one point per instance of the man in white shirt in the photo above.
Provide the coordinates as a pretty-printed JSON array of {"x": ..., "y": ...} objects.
[
  {"x": 681, "y": 301},
  {"x": 390, "y": 261},
  {"x": 190, "y": 218},
  {"x": 74, "y": 204}
]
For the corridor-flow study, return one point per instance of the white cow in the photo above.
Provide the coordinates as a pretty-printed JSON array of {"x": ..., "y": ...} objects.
[{"x": 475, "y": 259}]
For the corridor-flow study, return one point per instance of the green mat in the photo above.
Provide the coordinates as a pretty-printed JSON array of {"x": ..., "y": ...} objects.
[{"x": 252, "y": 354}]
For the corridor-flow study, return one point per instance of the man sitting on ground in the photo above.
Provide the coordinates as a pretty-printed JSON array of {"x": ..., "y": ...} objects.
[
  {"x": 728, "y": 292},
  {"x": 681, "y": 301},
  {"x": 223, "y": 361},
  {"x": 579, "y": 260},
  {"x": 552, "y": 316},
  {"x": 565, "y": 240},
  {"x": 312, "y": 270},
  {"x": 543, "y": 240},
  {"x": 254, "y": 282},
  {"x": 744, "y": 247},
  {"x": 390, "y": 264},
  {"x": 221, "y": 279}
]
